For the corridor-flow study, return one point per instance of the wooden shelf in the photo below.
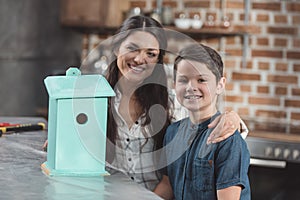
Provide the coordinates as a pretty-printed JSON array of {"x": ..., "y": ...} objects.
[
  {"x": 205, "y": 32},
  {"x": 104, "y": 31},
  {"x": 202, "y": 33},
  {"x": 215, "y": 32}
]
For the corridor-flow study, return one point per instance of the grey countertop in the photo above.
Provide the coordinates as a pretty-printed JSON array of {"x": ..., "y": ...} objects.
[{"x": 21, "y": 177}]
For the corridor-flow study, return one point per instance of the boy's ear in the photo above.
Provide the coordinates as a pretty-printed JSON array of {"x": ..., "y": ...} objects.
[{"x": 221, "y": 85}]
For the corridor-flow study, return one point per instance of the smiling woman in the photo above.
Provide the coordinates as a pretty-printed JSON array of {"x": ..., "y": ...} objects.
[
  {"x": 136, "y": 124},
  {"x": 137, "y": 57}
]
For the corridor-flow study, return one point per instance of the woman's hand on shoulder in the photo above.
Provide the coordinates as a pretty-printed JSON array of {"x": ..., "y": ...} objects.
[{"x": 225, "y": 125}]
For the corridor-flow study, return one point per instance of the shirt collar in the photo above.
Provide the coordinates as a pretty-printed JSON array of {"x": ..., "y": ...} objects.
[
  {"x": 116, "y": 104},
  {"x": 204, "y": 124}
]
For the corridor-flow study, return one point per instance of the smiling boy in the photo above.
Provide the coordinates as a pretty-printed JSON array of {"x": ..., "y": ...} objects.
[{"x": 195, "y": 169}]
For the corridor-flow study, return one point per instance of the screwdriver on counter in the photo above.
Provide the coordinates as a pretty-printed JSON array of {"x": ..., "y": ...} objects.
[{"x": 21, "y": 127}]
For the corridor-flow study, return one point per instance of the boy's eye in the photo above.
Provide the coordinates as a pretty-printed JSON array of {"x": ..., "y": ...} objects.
[{"x": 201, "y": 80}]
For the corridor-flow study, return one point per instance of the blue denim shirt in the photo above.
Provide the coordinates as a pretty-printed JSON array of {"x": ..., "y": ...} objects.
[{"x": 197, "y": 170}]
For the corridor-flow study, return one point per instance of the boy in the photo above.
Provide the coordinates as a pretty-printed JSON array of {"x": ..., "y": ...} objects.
[{"x": 196, "y": 170}]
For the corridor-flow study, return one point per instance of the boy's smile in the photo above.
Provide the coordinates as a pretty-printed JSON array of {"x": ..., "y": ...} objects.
[
  {"x": 192, "y": 96},
  {"x": 196, "y": 88}
]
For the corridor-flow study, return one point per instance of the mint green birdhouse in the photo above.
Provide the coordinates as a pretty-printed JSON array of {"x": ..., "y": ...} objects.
[{"x": 77, "y": 124}]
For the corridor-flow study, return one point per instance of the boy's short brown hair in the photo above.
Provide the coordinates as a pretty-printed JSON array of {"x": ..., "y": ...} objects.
[{"x": 202, "y": 54}]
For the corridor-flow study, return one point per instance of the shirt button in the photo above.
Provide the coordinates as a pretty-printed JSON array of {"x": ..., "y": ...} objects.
[
  {"x": 129, "y": 159},
  {"x": 127, "y": 139}
]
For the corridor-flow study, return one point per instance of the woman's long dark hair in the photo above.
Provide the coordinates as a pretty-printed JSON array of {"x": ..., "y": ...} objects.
[{"x": 153, "y": 90}]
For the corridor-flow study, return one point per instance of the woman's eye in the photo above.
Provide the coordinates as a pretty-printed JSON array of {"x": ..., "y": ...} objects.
[
  {"x": 131, "y": 48},
  {"x": 182, "y": 80},
  {"x": 151, "y": 55}
]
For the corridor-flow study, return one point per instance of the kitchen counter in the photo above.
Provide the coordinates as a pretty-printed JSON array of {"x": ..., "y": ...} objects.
[
  {"x": 21, "y": 176},
  {"x": 277, "y": 136}
]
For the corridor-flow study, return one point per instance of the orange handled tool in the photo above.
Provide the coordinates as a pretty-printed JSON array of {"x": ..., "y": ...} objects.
[{"x": 22, "y": 128}]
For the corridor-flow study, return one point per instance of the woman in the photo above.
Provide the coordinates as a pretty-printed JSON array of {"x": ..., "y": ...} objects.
[{"x": 139, "y": 113}]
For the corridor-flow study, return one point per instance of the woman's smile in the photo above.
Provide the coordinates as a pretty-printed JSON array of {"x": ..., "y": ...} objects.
[
  {"x": 136, "y": 68},
  {"x": 137, "y": 56}
]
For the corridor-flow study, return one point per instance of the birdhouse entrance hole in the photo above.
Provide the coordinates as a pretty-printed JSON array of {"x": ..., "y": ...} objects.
[{"x": 81, "y": 118}]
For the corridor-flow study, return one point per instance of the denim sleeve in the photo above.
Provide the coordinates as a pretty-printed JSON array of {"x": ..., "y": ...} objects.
[{"x": 232, "y": 162}]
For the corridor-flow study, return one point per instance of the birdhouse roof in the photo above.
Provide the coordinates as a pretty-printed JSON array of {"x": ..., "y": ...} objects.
[{"x": 75, "y": 85}]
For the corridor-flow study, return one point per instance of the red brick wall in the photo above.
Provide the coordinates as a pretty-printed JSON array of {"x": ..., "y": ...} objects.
[
  {"x": 270, "y": 83},
  {"x": 267, "y": 89}
]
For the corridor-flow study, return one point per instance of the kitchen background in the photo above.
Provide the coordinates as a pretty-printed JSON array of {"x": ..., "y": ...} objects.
[
  {"x": 33, "y": 45},
  {"x": 261, "y": 50}
]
